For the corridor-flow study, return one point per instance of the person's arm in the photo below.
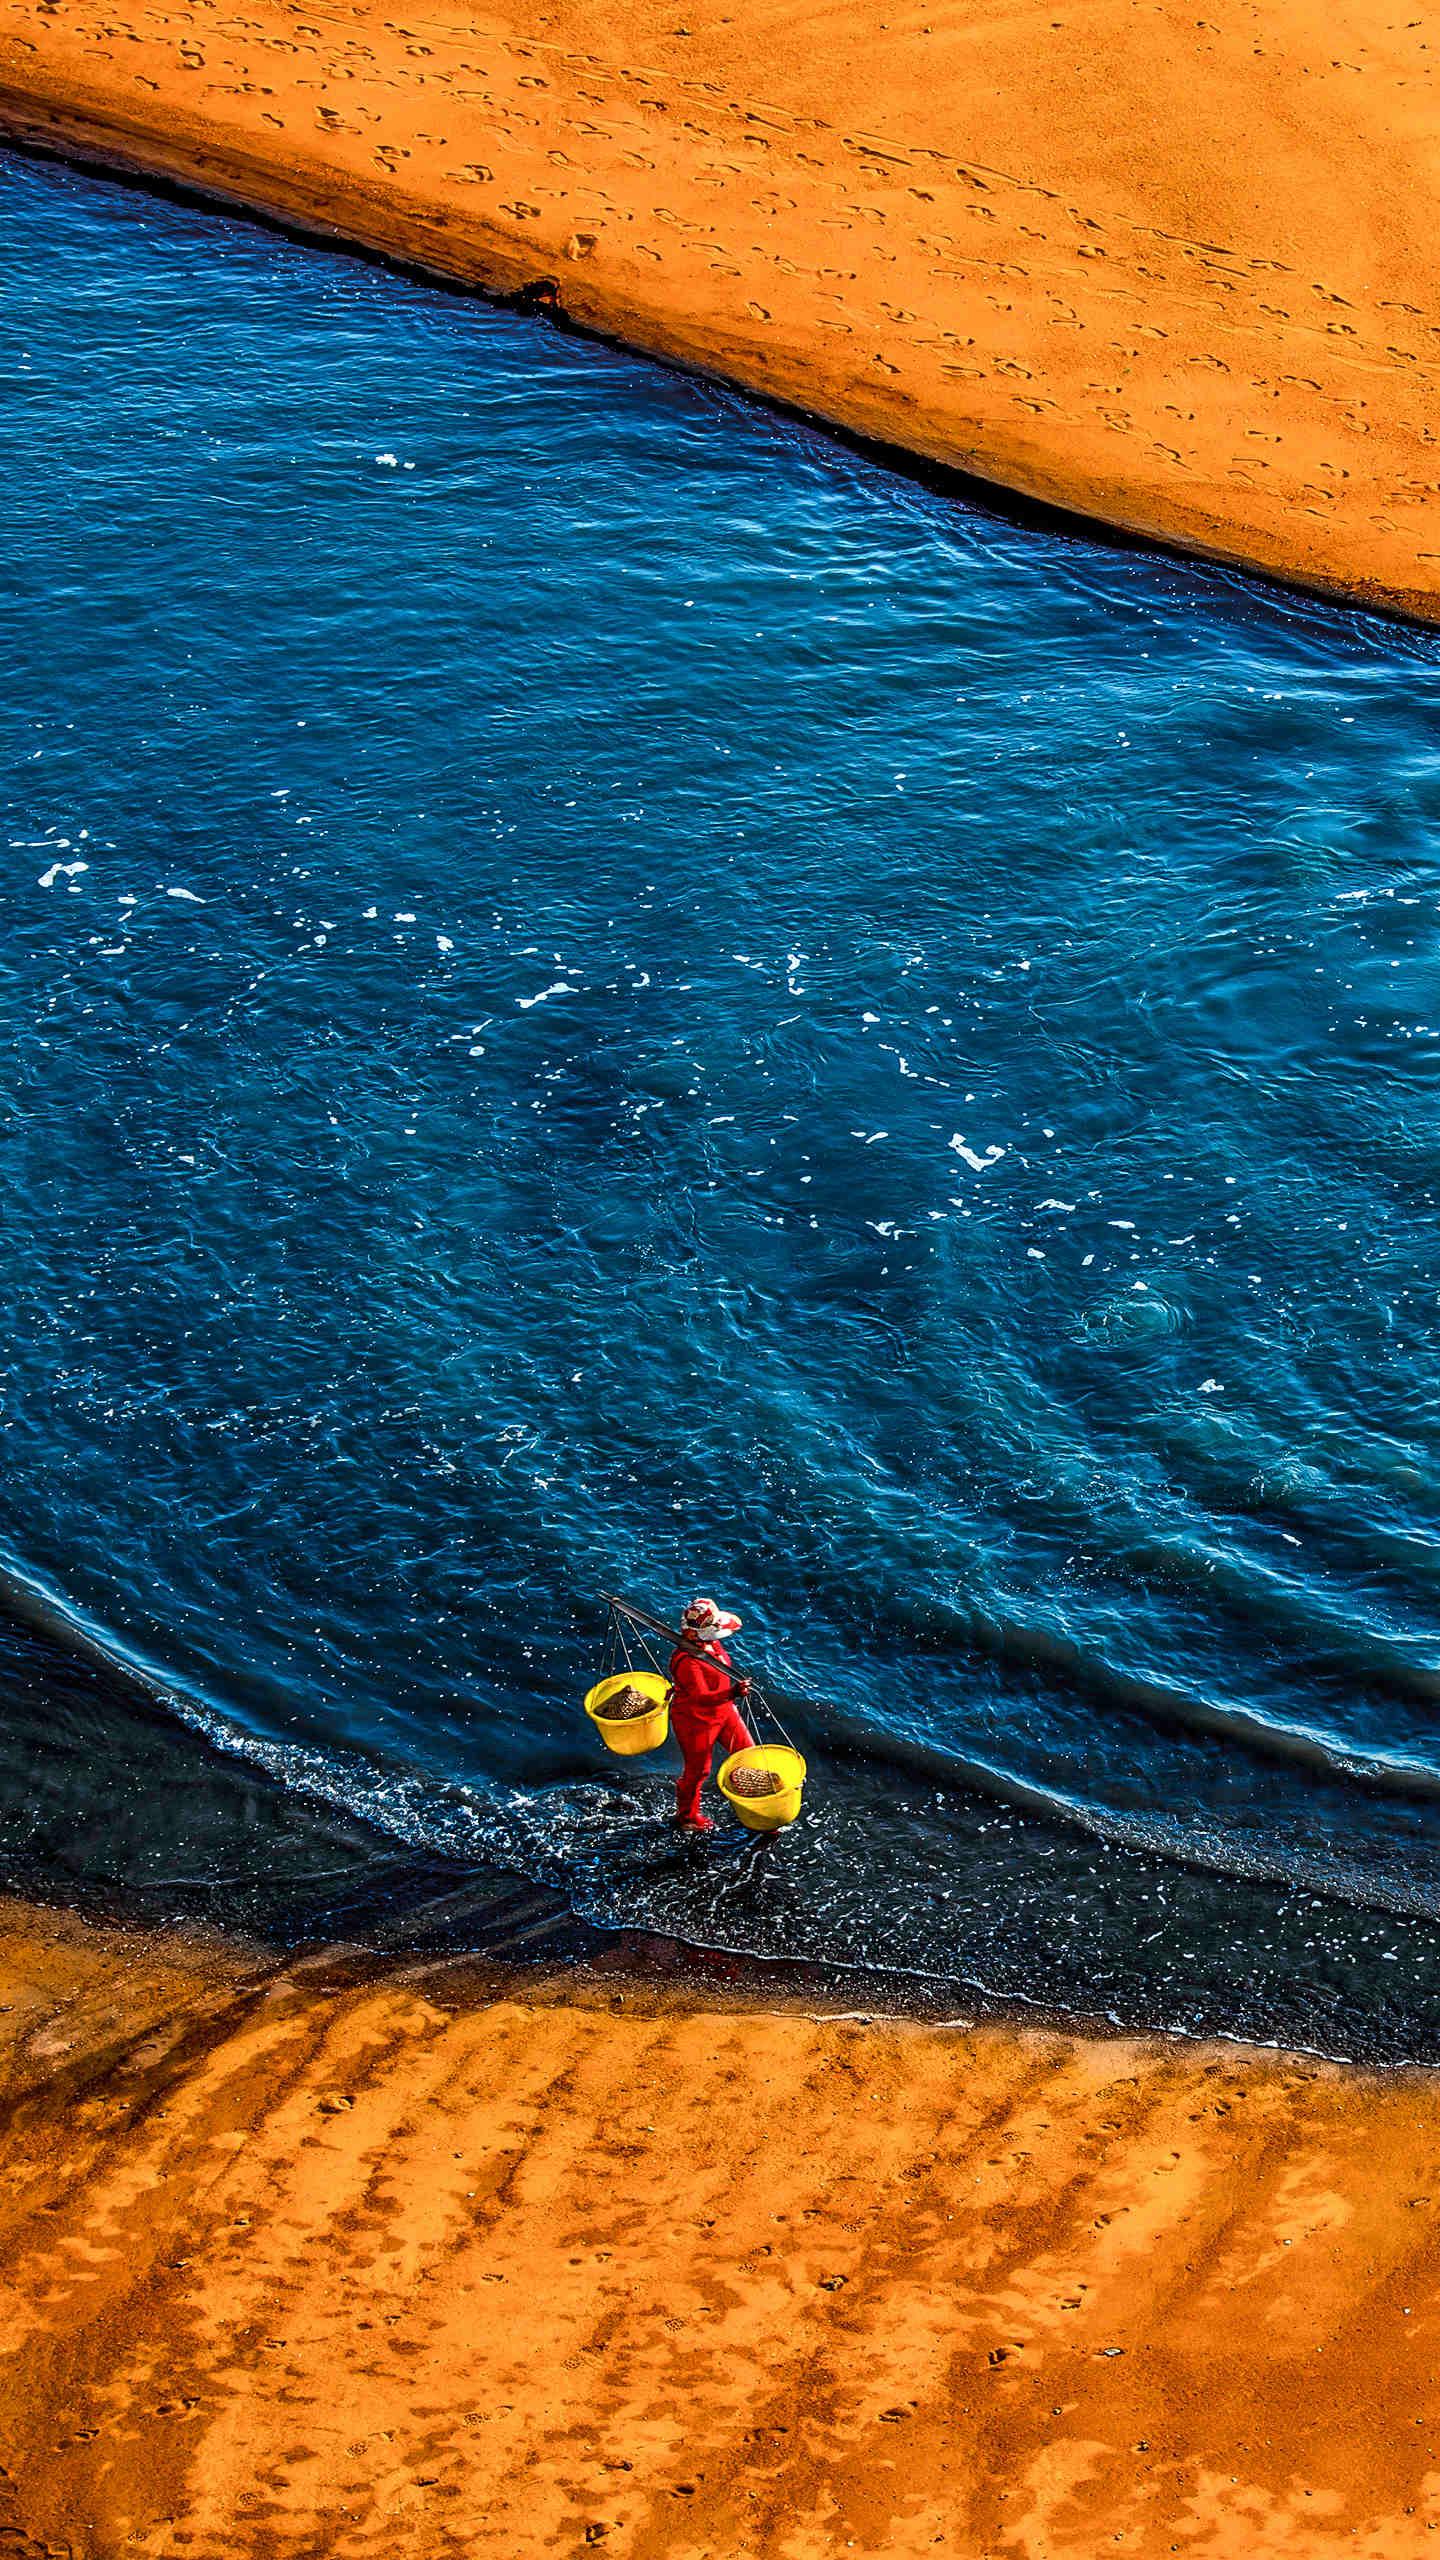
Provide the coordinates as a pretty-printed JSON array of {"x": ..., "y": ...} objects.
[
  {"x": 690, "y": 1678},
  {"x": 704, "y": 1683},
  {"x": 726, "y": 1688}
]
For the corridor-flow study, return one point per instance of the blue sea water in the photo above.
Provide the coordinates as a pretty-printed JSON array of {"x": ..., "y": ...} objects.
[{"x": 599, "y": 992}]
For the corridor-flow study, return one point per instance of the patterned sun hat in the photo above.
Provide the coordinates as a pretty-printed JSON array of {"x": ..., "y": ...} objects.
[{"x": 707, "y": 1623}]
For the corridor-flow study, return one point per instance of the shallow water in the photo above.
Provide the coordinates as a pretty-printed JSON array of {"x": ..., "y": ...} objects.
[{"x": 599, "y": 992}]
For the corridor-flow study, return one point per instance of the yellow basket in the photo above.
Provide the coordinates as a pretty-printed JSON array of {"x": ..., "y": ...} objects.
[
  {"x": 627, "y": 1734},
  {"x": 765, "y": 1813}
]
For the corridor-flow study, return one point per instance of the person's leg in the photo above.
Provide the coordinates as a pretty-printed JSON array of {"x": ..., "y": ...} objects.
[
  {"x": 734, "y": 1733},
  {"x": 698, "y": 1756}
]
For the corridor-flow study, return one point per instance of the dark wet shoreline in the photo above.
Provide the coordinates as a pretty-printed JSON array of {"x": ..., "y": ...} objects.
[{"x": 133, "y": 1818}]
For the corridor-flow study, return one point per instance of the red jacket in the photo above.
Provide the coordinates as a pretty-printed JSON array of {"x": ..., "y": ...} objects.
[{"x": 702, "y": 1687}]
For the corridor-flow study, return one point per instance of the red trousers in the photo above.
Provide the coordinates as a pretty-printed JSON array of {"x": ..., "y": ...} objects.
[{"x": 698, "y": 1742}]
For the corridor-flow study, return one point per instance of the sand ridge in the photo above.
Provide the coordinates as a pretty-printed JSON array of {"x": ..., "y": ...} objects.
[
  {"x": 1174, "y": 271},
  {"x": 350, "y": 2261}
]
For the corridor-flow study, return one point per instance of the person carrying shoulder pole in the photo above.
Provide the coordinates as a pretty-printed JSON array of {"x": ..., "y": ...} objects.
[{"x": 703, "y": 1713}]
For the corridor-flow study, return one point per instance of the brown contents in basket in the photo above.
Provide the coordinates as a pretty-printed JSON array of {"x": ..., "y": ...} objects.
[
  {"x": 756, "y": 1782},
  {"x": 625, "y": 1705}
]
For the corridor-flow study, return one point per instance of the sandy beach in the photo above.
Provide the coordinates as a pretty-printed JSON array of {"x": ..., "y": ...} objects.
[
  {"x": 345, "y": 2260},
  {"x": 1177, "y": 273}
]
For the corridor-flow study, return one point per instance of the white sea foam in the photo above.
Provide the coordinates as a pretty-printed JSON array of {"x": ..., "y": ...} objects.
[
  {"x": 977, "y": 1163},
  {"x": 562, "y": 987}
]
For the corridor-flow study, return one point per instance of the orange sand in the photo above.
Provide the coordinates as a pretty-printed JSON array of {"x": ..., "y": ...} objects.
[
  {"x": 376, "y": 2267},
  {"x": 1178, "y": 272}
]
